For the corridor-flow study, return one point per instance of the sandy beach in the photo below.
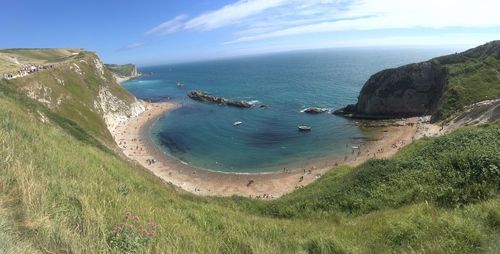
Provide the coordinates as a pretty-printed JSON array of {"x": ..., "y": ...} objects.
[{"x": 133, "y": 139}]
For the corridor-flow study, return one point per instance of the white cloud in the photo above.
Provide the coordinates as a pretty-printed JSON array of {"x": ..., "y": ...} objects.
[
  {"x": 257, "y": 20},
  {"x": 232, "y": 13},
  {"x": 131, "y": 46},
  {"x": 135, "y": 45},
  {"x": 168, "y": 27},
  {"x": 390, "y": 14},
  {"x": 227, "y": 15}
]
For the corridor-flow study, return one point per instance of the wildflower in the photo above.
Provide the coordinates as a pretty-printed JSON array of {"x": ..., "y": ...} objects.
[{"x": 128, "y": 215}]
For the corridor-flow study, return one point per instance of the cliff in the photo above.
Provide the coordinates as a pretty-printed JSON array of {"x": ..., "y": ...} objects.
[
  {"x": 77, "y": 86},
  {"x": 440, "y": 87},
  {"x": 123, "y": 72}
]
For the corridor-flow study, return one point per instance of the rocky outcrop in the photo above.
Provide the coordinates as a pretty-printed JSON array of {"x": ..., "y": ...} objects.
[
  {"x": 313, "y": 110},
  {"x": 410, "y": 90},
  {"x": 425, "y": 89},
  {"x": 205, "y": 97},
  {"x": 115, "y": 110},
  {"x": 477, "y": 113}
]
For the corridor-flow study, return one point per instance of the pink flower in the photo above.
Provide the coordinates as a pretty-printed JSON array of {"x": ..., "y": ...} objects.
[{"x": 128, "y": 215}]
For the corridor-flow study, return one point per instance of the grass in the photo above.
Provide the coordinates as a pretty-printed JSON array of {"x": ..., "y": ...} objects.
[
  {"x": 444, "y": 172},
  {"x": 72, "y": 95},
  {"x": 63, "y": 191},
  {"x": 33, "y": 56},
  {"x": 61, "y": 201},
  {"x": 473, "y": 76}
]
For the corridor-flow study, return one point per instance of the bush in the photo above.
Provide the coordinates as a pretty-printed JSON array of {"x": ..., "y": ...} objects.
[
  {"x": 493, "y": 219},
  {"x": 131, "y": 235}
]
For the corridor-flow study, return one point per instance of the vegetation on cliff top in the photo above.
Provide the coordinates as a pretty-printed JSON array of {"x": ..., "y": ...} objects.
[
  {"x": 473, "y": 76},
  {"x": 442, "y": 86},
  {"x": 10, "y": 59},
  {"x": 122, "y": 70}
]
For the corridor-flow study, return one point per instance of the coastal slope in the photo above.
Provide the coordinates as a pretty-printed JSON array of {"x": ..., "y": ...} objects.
[
  {"x": 440, "y": 87},
  {"x": 62, "y": 191},
  {"x": 72, "y": 83}
]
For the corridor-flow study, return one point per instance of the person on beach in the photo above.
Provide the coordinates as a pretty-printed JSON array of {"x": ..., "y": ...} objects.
[{"x": 250, "y": 182}]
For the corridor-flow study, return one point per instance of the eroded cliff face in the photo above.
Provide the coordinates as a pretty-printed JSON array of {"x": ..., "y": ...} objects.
[
  {"x": 475, "y": 114},
  {"x": 410, "y": 90},
  {"x": 114, "y": 110}
]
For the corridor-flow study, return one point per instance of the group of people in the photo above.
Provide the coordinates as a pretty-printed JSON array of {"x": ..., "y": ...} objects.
[
  {"x": 25, "y": 70},
  {"x": 150, "y": 161},
  {"x": 265, "y": 196}
]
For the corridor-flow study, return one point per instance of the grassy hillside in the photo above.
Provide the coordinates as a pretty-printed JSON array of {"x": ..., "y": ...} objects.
[
  {"x": 473, "y": 76},
  {"x": 11, "y": 59},
  {"x": 71, "y": 88},
  {"x": 451, "y": 171},
  {"x": 60, "y": 191},
  {"x": 63, "y": 191}
]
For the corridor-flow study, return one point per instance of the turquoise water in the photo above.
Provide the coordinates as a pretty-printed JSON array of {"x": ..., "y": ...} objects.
[{"x": 203, "y": 135}]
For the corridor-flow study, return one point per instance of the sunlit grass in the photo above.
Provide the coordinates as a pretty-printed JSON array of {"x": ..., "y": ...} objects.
[{"x": 65, "y": 194}]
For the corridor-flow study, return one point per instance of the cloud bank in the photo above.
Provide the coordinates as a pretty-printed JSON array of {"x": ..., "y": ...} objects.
[{"x": 256, "y": 20}]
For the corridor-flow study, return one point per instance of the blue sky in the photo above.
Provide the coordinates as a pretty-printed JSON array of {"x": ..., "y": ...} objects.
[{"x": 162, "y": 31}]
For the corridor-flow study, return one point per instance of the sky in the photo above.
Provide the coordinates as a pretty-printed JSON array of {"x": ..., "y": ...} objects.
[{"x": 166, "y": 31}]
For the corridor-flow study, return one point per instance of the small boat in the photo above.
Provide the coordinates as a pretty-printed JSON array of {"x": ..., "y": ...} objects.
[
  {"x": 355, "y": 147},
  {"x": 237, "y": 123},
  {"x": 179, "y": 84},
  {"x": 304, "y": 127}
]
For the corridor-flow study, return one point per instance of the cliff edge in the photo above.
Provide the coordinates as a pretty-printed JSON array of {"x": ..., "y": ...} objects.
[
  {"x": 123, "y": 72},
  {"x": 73, "y": 83},
  {"x": 440, "y": 87}
]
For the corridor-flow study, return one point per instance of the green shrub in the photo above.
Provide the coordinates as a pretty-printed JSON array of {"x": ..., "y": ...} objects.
[
  {"x": 131, "y": 235},
  {"x": 493, "y": 219}
]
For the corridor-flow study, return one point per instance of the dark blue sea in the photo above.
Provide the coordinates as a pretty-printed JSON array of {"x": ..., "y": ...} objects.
[{"x": 203, "y": 135}]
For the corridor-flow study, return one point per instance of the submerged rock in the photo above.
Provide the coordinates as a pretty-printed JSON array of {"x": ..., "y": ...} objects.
[{"x": 205, "y": 97}]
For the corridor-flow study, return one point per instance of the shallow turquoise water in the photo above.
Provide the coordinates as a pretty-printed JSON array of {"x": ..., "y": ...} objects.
[{"x": 202, "y": 134}]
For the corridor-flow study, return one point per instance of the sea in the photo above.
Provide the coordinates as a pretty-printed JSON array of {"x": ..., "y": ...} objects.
[{"x": 268, "y": 140}]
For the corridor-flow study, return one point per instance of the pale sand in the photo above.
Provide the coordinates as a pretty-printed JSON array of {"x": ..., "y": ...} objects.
[{"x": 133, "y": 138}]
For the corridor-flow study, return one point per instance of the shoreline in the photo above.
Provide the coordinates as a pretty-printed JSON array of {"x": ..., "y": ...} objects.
[{"x": 132, "y": 137}]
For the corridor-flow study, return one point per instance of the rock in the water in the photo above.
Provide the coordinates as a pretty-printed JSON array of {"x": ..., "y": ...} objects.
[
  {"x": 314, "y": 110},
  {"x": 205, "y": 97}
]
